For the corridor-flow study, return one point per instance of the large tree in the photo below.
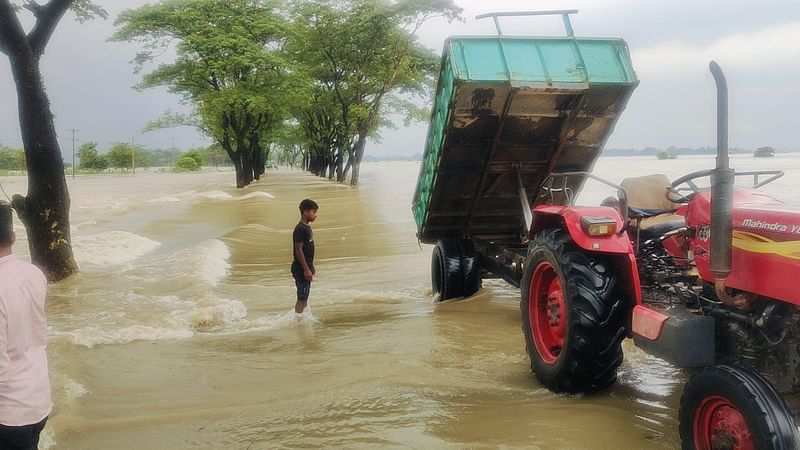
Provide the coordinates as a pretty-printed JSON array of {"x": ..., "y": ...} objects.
[
  {"x": 90, "y": 159},
  {"x": 45, "y": 209},
  {"x": 365, "y": 60},
  {"x": 228, "y": 67}
]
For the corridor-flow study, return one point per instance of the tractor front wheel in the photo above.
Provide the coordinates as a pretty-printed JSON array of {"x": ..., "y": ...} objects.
[
  {"x": 734, "y": 408},
  {"x": 572, "y": 315}
]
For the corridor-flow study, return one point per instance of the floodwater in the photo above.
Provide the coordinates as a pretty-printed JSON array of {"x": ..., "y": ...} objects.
[{"x": 178, "y": 333}]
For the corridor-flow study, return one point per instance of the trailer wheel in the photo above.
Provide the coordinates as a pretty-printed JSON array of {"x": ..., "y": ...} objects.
[
  {"x": 446, "y": 269},
  {"x": 470, "y": 268},
  {"x": 572, "y": 316},
  {"x": 734, "y": 408}
]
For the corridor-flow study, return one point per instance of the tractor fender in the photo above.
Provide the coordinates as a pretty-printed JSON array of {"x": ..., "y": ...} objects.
[
  {"x": 618, "y": 245},
  {"x": 569, "y": 217}
]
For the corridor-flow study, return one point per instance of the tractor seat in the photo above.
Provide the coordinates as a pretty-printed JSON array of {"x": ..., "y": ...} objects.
[{"x": 647, "y": 199}]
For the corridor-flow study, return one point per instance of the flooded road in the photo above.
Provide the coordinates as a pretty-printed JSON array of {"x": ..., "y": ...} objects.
[{"x": 178, "y": 333}]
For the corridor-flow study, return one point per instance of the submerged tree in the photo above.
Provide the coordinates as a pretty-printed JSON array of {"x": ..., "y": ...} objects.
[
  {"x": 45, "y": 210},
  {"x": 228, "y": 67},
  {"x": 764, "y": 152}
]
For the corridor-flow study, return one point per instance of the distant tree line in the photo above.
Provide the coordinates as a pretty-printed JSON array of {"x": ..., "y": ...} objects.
[
  {"x": 122, "y": 156},
  {"x": 12, "y": 158},
  {"x": 653, "y": 151}
]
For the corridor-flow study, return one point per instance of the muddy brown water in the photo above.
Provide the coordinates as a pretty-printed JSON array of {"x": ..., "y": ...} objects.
[{"x": 178, "y": 331}]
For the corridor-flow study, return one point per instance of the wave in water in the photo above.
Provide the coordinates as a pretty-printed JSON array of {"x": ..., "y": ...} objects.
[
  {"x": 201, "y": 266},
  {"x": 164, "y": 199},
  {"x": 171, "y": 198},
  {"x": 213, "y": 261},
  {"x": 111, "y": 248},
  {"x": 219, "y": 195},
  {"x": 275, "y": 322},
  {"x": 178, "y": 320}
]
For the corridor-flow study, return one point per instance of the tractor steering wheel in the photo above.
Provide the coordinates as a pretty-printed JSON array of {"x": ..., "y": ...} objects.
[{"x": 678, "y": 194}]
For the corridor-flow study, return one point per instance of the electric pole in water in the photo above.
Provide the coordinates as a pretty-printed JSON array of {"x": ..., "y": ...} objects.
[{"x": 73, "y": 130}]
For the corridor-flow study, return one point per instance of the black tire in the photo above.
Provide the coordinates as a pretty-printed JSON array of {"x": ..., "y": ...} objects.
[
  {"x": 711, "y": 395},
  {"x": 470, "y": 268},
  {"x": 582, "y": 307},
  {"x": 446, "y": 269}
]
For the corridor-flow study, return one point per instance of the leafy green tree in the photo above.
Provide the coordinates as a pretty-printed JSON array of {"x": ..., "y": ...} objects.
[
  {"x": 197, "y": 155},
  {"x": 90, "y": 159},
  {"x": 186, "y": 164},
  {"x": 764, "y": 152},
  {"x": 229, "y": 66},
  {"x": 11, "y": 159},
  {"x": 121, "y": 155},
  {"x": 360, "y": 55},
  {"x": 87, "y": 153},
  {"x": 7, "y": 159},
  {"x": 45, "y": 209}
]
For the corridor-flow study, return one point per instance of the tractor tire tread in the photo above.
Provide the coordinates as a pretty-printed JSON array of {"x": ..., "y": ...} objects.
[{"x": 596, "y": 321}]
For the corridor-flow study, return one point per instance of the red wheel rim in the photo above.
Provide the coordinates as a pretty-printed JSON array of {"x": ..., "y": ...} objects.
[
  {"x": 546, "y": 312},
  {"x": 719, "y": 424}
]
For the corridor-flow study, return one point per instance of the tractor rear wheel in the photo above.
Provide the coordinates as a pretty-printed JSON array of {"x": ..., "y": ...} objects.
[
  {"x": 572, "y": 315},
  {"x": 734, "y": 408}
]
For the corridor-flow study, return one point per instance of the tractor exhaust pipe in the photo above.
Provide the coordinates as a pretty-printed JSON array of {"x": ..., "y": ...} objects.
[{"x": 721, "y": 191}]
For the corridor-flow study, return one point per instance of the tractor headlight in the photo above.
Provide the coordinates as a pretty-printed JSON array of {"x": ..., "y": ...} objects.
[{"x": 599, "y": 226}]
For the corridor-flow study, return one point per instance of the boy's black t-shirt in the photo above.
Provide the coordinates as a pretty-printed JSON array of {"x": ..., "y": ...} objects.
[{"x": 303, "y": 234}]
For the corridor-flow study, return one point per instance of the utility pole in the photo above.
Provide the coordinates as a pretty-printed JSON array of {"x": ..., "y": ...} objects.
[
  {"x": 133, "y": 153},
  {"x": 73, "y": 130}
]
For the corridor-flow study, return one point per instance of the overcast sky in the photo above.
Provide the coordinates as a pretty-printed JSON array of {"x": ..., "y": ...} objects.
[{"x": 757, "y": 43}]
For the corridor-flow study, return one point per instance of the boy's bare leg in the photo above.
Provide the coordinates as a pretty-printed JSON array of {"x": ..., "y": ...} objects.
[{"x": 299, "y": 307}]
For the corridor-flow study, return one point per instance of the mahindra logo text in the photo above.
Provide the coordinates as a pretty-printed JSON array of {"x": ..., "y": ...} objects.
[{"x": 771, "y": 226}]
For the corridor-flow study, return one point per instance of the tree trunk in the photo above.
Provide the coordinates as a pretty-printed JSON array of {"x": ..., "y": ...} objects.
[
  {"x": 349, "y": 164},
  {"x": 339, "y": 164},
  {"x": 236, "y": 158},
  {"x": 247, "y": 168},
  {"x": 45, "y": 210},
  {"x": 333, "y": 167},
  {"x": 257, "y": 158},
  {"x": 358, "y": 154}
]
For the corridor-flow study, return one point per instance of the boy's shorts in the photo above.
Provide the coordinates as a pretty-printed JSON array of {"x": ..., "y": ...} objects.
[{"x": 303, "y": 285}]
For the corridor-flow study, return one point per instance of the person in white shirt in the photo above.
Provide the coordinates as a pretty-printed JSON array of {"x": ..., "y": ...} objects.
[{"x": 24, "y": 382}]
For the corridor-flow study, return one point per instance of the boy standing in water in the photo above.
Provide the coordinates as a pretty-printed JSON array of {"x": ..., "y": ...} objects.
[
  {"x": 24, "y": 383},
  {"x": 303, "y": 248}
]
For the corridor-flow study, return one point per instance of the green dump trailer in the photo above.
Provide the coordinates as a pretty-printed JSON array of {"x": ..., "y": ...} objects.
[{"x": 509, "y": 111}]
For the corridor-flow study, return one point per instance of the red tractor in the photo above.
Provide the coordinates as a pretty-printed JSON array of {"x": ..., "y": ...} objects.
[{"x": 696, "y": 273}]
